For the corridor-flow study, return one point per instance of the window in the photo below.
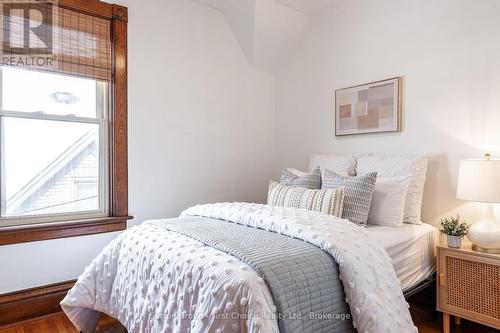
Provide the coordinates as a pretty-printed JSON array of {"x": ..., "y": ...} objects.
[
  {"x": 85, "y": 196},
  {"x": 54, "y": 136},
  {"x": 63, "y": 119}
]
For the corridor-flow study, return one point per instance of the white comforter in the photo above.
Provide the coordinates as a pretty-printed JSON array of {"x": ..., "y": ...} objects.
[{"x": 155, "y": 280}]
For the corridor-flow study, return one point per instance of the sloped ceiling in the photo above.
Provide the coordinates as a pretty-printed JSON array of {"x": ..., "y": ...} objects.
[
  {"x": 266, "y": 28},
  {"x": 309, "y": 7}
]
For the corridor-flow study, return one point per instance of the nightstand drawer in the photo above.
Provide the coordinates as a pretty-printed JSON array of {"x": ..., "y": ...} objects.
[{"x": 469, "y": 285}]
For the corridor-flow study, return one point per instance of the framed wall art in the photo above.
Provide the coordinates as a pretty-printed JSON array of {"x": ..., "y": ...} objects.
[{"x": 369, "y": 108}]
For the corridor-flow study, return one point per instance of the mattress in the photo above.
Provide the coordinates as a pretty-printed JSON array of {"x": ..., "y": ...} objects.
[{"x": 412, "y": 250}]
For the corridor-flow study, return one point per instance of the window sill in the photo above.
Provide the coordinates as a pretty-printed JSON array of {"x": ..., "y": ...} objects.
[{"x": 32, "y": 233}]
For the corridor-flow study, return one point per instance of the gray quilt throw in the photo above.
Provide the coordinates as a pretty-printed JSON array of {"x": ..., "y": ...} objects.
[{"x": 303, "y": 279}]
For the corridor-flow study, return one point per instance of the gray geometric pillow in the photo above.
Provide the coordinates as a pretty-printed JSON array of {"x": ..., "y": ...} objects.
[
  {"x": 358, "y": 192},
  {"x": 310, "y": 180}
]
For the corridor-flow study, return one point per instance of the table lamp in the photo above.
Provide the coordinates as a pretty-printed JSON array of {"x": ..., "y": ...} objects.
[{"x": 479, "y": 181}]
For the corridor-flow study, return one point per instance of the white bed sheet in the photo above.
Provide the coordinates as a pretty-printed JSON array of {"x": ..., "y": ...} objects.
[{"x": 412, "y": 250}]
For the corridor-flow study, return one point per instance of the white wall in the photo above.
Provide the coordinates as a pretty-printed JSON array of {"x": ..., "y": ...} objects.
[
  {"x": 33, "y": 264},
  {"x": 201, "y": 119},
  {"x": 200, "y": 130},
  {"x": 449, "y": 54}
]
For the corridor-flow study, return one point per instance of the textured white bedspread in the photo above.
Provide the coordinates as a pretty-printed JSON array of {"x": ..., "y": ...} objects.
[{"x": 154, "y": 280}]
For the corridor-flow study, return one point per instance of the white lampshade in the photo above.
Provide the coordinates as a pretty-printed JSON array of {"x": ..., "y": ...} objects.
[{"x": 479, "y": 180}]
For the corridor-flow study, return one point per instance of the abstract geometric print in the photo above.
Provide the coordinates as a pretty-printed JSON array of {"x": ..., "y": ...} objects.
[{"x": 368, "y": 108}]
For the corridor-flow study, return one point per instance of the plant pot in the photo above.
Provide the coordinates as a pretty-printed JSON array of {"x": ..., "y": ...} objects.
[{"x": 454, "y": 241}]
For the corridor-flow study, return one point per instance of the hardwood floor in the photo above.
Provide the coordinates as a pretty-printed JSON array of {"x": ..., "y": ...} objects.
[
  {"x": 59, "y": 323},
  {"x": 423, "y": 320}
]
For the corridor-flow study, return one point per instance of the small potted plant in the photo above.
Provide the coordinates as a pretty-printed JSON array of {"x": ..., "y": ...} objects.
[{"x": 455, "y": 229}]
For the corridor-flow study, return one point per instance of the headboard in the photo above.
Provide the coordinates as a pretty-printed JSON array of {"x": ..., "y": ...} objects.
[{"x": 386, "y": 165}]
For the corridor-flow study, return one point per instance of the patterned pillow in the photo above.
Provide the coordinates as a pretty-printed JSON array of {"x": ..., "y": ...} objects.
[
  {"x": 292, "y": 177},
  {"x": 328, "y": 201},
  {"x": 358, "y": 192}
]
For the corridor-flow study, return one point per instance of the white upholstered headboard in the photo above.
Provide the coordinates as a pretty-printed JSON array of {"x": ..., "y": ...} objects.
[
  {"x": 386, "y": 165},
  {"x": 336, "y": 163}
]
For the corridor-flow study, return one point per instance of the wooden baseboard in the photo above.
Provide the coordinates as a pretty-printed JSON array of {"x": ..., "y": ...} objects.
[{"x": 31, "y": 303}]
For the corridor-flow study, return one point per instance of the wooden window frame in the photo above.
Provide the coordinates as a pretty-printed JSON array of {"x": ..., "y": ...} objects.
[{"x": 118, "y": 154}]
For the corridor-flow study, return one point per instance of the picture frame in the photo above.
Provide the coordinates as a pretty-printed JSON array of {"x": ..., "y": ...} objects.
[{"x": 374, "y": 107}]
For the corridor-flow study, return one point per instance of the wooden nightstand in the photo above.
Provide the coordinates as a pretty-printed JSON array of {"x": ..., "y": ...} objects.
[{"x": 468, "y": 284}]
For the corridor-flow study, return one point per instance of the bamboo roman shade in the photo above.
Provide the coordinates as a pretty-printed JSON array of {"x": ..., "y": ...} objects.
[{"x": 48, "y": 37}]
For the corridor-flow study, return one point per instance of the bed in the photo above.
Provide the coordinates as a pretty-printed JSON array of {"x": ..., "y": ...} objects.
[
  {"x": 243, "y": 267},
  {"x": 412, "y": 250}
]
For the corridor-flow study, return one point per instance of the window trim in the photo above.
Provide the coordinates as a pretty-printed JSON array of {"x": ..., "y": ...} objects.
[{"x": 117, "y": 142}]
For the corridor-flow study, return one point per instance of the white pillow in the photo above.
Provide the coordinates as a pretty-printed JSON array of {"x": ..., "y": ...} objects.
[
  {"x": 344, "y": 165},
  {"x": 399, "y": 165},
  {"x": 388, "y": 201}
]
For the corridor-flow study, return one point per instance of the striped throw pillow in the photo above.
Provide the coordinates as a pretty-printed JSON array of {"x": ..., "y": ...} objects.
[
  {"x": 358, "y": 192},
  {"x": 293, "y": 177},
  {"x": 328, "y": 201}
]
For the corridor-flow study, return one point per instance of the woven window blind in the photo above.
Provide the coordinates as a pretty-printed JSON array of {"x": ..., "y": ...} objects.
[{"x": 47, "y": 37}]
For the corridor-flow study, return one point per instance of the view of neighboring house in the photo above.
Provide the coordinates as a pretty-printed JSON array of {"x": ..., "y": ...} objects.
[{"x": 68, "y": 184}]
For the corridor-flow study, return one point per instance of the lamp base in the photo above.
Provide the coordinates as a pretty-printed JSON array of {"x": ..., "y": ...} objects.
[
  {"x": 485, "y": 233},
  {"x": 477, "y": 248}
]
